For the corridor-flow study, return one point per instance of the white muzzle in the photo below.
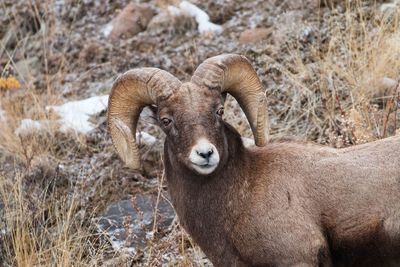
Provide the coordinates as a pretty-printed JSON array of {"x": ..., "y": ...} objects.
[{"x": 204, "y": 157}]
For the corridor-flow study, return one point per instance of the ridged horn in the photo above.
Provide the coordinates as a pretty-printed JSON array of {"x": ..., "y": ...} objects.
[
  {"x": 234, "y": 74},
  {"x": 131, "y": 92}
]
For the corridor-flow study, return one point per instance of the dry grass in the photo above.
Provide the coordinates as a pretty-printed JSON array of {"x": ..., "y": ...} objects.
[
  {"x": 44, "y": 229},
  {"x": 45, "y": 224},
  {"x": 341, "y": 90},
  {"x": 361, "y": 56},
  {"x": 332, "y": 95}
]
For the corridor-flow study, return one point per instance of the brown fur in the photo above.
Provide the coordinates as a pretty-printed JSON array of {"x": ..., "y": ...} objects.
[{"x": 286, "y": 204}]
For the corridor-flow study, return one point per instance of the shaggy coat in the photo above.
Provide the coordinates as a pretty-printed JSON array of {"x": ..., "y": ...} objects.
[{"x": 293, "y": 204}]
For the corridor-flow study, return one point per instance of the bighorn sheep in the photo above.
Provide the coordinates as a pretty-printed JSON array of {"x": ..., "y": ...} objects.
[{"x": 278, "y": 204}]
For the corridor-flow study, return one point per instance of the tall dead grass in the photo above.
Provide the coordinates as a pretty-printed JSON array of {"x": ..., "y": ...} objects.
[
  {"x": 41, "y": 217},
  {"x": 353, "y": 76},
  {"x": 43, "y": 229}
]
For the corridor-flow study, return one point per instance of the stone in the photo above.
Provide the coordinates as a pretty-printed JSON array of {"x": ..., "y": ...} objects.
[
  {"x": 133, "y": 19},
  {"x": 254, "y": 35},
  {"x": 129, "y": 223}
]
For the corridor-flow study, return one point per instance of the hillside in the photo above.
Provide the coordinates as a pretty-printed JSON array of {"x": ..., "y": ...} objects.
[{"x": 330, "y": 70}]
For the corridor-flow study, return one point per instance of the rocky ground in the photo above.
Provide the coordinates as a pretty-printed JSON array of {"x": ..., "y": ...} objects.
[{"x": 330, "y": 70}]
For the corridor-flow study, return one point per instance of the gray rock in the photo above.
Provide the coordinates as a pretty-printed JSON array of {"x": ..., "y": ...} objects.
[
  {"x": 129, "y": 223},
  {"x": 132, "y": 20}
]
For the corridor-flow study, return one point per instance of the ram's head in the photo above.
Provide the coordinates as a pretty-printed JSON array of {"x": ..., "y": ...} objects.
[{"x": 189, "y": 113}]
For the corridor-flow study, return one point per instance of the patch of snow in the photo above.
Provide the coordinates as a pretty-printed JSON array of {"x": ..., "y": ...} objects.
[
  {"x": 75, "y": 114},
  {"x": 145, "y": 138},
  {"x": 201, "y": 17},
  {"x": 28, "y": 126},
  {"x": 390, "y": 6},
  {"x": 149, "y": 235},
  {"x": 107, "y": 29},
  {"x": 174, "y": 11},
  {"x": 120, "y": 246},
  {"x": 248, "y": 142}
]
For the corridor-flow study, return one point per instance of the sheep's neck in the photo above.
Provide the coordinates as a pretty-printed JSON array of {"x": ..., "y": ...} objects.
[{"x": 207, "y": 206}]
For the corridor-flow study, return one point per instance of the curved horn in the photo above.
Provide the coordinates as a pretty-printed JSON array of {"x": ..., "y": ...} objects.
[
  {"x": 131, "y": 92},
  {"x": 235, "y": 75}
]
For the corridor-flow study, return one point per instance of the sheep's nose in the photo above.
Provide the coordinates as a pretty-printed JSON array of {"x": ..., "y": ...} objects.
[
  {"x": 204, "y": 157},
  {"x": 205, "y": 154}
]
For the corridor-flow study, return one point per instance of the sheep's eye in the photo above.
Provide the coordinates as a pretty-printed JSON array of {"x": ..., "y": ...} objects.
[
  {"x": 166, "y": 121},
  {"x": 220, "y": 111}
]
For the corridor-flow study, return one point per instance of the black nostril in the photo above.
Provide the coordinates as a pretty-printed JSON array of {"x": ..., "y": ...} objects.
[{"x": 205, "y": 155}]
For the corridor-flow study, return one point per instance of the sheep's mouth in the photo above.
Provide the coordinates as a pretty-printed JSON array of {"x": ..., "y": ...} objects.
[{"x": 204, "y": 168}]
